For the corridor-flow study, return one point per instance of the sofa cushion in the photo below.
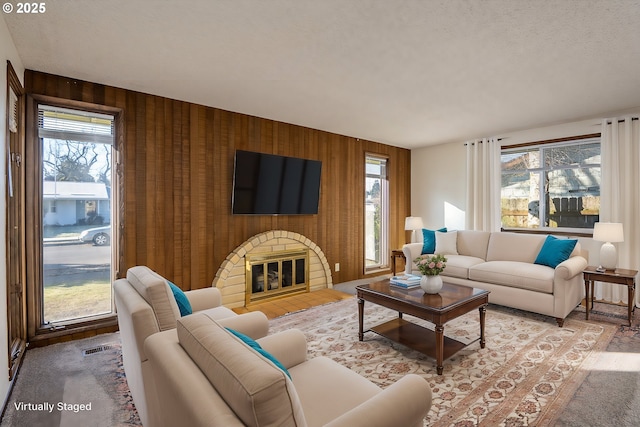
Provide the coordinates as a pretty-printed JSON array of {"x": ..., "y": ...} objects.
[
  {"x": 473, "y": 243},
  {"x": 429, "y": 240},
  {"x": 446, "y": 243},
  {"x": 339, "y": 388},
  {"x": 156, "y": 292},
  {"x": 554, "y": 251},
  {"x": 181, "y": 299},
  {"x": 253, "y": 387},
  {"x": 458, "y": 265},
  {"x": 514, "y": 247},
  {"x": 219, "y": 313},
  {"x": 515, "y": 274}
]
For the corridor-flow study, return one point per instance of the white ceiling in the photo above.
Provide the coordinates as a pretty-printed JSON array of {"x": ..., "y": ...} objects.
[{"x": 403, "y": 72}]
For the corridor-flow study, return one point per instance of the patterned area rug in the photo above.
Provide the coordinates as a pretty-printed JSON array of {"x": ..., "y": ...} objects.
[
  {"x": 528, "y": 362},
  {"x": 526, "y": 375}
]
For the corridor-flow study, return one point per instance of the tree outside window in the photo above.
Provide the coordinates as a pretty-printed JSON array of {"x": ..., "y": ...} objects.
[{"x": 555, "y": 185}]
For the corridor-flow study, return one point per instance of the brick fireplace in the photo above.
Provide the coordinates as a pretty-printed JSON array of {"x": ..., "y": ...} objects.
[{"x": 285, "y": 261}]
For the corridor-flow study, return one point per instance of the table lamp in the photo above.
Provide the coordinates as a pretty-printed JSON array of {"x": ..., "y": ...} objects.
[
  {"x": 413, "y": 223},
  {"x": 608, "y": 232}
]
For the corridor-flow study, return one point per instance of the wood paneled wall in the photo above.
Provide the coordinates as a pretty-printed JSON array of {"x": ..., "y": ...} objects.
[{"x": 178, "y": 172}]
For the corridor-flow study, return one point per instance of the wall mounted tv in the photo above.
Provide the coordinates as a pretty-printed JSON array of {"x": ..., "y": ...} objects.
[{"x": 267, "y": 184}]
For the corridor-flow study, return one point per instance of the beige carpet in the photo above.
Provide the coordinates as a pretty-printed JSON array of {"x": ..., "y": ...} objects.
[
  {"x": 65, "y": 375},
  {"x": 522, "y": 377}
]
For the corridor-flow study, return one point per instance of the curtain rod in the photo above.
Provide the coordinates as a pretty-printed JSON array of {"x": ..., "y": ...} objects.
[
  {"x": 560, "y": 139},
  {"x": 552, "y": 141},
  {"x": 480, "y": 142},
  {"x": 622, "y": 120}
]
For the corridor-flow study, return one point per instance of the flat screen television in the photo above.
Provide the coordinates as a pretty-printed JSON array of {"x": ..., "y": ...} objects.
[{"x": 267, "y": 184}]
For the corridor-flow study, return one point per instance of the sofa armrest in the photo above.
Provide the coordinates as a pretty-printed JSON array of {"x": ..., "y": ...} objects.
[
  {"x": 135, "y": 319},
  {"x": 411, "y": 251},
  {"x": 205, "y": 298},
  {"x": 404, "y": 403},
  {"x": 253, "y": 324},
  {"x": 289, "y": 347},
  {"x": 571, "y": 267}
]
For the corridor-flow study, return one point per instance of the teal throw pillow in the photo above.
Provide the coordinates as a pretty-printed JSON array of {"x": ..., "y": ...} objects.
[
  {"x": 429, "y": 240},
  {"x": 254, "y": 345},
  {"x": 554, "y": 251},
  {"x": 181, "y": 299}
]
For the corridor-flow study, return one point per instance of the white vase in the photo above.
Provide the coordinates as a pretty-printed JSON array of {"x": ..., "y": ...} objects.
[{"x": 431, "y": 284}]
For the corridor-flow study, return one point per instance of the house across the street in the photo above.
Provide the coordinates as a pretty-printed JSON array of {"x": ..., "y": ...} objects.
[{"x": 71, "y": 203}]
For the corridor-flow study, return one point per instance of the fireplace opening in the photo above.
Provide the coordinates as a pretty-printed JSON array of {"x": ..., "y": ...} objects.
[{"x": 276, "y": 274}]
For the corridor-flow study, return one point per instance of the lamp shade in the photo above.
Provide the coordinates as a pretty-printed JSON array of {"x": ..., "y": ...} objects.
[
  {"x": 413, "y": 223},
  {"x": 608, "y": 232}
]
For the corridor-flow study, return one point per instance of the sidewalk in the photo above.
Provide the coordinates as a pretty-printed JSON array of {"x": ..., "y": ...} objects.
[{"x": 61, "y": 241}]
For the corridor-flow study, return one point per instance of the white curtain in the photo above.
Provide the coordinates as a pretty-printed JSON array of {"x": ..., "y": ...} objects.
[
  {"x": 620, "y": 196},
  {"x": 483, "y": 185}
]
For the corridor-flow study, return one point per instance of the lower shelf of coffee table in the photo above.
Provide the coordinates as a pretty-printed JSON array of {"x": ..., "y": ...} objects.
[{"x": 417, "y": 337}]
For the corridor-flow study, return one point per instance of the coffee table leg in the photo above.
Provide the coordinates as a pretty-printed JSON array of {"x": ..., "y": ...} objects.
[
  {"x": 483, "y": 312},
  {"x": 439, "y": 348},
  {"x": 360, "y": 318}
]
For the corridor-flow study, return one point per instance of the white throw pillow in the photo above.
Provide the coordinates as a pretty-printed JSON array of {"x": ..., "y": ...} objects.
[{"x": 447, "y": 243}]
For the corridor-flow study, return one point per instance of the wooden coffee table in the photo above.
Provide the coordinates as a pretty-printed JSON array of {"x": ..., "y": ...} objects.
[{"x": 451, "y": 302}]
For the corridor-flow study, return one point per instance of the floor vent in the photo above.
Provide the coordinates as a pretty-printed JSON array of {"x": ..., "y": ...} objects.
[{"x": 98, "y": 349}]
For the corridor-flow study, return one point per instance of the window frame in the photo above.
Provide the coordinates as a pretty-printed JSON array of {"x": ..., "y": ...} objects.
[
  {"x": 383, "y": 246},
  {"x": 569, "y": 231},
  {"x": 38, "y": 332}
]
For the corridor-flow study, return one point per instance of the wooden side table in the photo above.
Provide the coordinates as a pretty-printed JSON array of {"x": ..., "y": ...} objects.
[
  {"x": 395, "y": 253},
  {"x": 619, "y": 276}
]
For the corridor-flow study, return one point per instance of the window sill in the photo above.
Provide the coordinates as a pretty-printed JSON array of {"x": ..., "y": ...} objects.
[
  {"x": 572, "y": 232},
  {"x": 376, "y": 271},
  {"x": 77, "y": 330}
]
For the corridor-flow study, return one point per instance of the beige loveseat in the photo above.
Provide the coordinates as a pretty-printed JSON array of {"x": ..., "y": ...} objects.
[
  {"x": 503, "y": 263},
  {"x": 145, "y": 305},
  {"x": 207, "y": 376}
]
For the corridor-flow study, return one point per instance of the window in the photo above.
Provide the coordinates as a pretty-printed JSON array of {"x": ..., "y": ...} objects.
[
  {"x": 77, "y": 153},
  {"x": 551, "y": 185},
  {"x": 376, "y": 213}
]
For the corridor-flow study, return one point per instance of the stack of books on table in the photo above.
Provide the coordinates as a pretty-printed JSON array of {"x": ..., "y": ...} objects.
[{"x": 405, "y": 281}]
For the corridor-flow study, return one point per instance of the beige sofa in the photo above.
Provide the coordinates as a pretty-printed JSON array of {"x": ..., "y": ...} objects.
[
  {"x": 207, "y": 376},
  {"x": 503, "y": 263},
  {"x": 145, "y": 305}
]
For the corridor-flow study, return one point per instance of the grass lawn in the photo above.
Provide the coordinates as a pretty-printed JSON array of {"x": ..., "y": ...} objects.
[{"x": 68, "y": 301}]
